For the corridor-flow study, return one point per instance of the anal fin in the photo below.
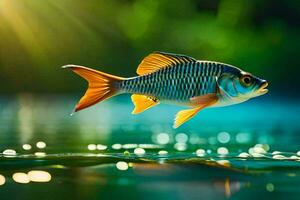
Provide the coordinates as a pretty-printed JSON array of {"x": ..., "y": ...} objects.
[
  {"x": 142, "y": 103},
  {"x": 185, "y": 115}
]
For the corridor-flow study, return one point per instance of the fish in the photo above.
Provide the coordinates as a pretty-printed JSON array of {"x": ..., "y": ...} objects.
[{"x": 173, "y": 79}]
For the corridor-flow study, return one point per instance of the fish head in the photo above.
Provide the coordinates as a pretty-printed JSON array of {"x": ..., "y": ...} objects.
[{"x": 240, "y": 85}]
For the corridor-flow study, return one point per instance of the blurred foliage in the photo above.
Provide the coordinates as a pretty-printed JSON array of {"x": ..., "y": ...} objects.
[{"x": 37, "y": 37}]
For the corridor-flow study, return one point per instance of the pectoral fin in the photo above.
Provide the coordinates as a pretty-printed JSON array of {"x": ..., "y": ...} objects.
[
  {"x": 142, "y": 103},
  {"x": 201, "y": 102},
  {"x": 207, "y": 99}
]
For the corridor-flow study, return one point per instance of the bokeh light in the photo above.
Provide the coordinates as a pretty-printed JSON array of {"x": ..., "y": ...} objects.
[
  {"x": 121, "y": 165},
  {"x": 9, "y": 152},
  {"x": 2, "y": 179},
  {"x": 26, "y": 146},
  {"x": 180, "y": 146},
  {"x": 222, "y": 151},
  {"x": 41, "y": 145},
  {"x": 92, "y": 147},
  {"x": 101, "y": 147},
  {"x": 243, "y": 138},
  {"x": 223, "y": 137},
  {"x": 163, "y": 138},
  {"x": 40, "y": 154},
  {"x": 181, "y": 138},
  {"x": 139, "y": 151},
  {"x": 20, "y": 177},
  {"x": 162, "y": 152},
  {"x": 200, "y": 152},
  {"x": 116, "y": 146},
  {"x": 39, "y": 176},
  {"x": 270, "y": 187}
]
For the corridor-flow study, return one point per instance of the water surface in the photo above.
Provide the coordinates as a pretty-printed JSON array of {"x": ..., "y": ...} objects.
[{"x": 239, "y": 152}]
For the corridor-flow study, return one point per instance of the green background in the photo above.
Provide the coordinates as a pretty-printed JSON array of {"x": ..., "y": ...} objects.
[{"x": 38, "y": 37}]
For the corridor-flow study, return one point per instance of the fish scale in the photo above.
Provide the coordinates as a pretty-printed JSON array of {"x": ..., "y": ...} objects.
[{"x": 179, "y": 82}]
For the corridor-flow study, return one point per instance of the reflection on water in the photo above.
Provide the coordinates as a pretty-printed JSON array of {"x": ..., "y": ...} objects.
[
  {"x": 33, "y": 175},
  {"x": 107, "y": 153}
]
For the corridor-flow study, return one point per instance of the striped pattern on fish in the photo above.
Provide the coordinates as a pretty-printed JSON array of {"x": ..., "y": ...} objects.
[{"x": 176, "y": 83}]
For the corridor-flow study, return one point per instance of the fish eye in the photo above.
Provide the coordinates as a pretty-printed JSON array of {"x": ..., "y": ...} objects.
[{"x": 246, "y": 80}]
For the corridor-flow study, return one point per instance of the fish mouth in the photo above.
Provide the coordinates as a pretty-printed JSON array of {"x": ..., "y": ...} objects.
[{"x": 263, "y": 88}]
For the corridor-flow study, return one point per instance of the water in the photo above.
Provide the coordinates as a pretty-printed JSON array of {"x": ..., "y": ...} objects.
[{"x": 241, "y": 152}]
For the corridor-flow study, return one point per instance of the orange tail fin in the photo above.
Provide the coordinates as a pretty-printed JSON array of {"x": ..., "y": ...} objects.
[{"x": 101, "y": 86}]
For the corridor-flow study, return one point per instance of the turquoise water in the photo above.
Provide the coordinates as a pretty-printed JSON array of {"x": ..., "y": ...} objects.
[{"x": 240, "y": 152}]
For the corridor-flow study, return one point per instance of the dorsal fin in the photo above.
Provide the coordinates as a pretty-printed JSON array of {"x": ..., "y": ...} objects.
[{"x": 158, "y": 60}]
